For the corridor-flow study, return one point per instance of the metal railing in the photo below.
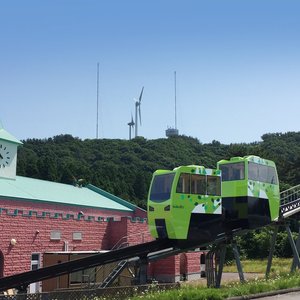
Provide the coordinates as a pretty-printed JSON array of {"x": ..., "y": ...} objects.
[
  {"x": 107, "y": 269},
  {"x": 290, "y": 201},
  {"x": 114, "y": 293}
]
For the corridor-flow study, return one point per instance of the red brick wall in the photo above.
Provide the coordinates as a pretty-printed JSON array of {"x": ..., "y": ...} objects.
[
  {"x": 138, "y": 233},
  {"x": 127, "y": 232},
  {"x": 166, "y": 266},
  {"x": 140, "y": 213},
  {"x": 116, "y": 233},
  {"x": 169, "y": 269},
  {"x": 32, "y": 233},
  {"x": 193, "y": 262},
  {"x": 24, "y": 229}
]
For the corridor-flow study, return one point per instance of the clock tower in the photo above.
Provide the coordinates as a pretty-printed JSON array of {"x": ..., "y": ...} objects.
[{"x": 8, "y": 154}]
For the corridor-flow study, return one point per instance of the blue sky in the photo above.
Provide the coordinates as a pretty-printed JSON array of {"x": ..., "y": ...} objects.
[{"x": 237, "y": 64}]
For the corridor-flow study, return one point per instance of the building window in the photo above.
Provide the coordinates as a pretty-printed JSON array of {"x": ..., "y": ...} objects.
[
  {"x": 55, "y": 235},
  {"x": 35, "y": 264},
  {"x": 77, "y": 236},
  {"x": 83, "y": 276}
]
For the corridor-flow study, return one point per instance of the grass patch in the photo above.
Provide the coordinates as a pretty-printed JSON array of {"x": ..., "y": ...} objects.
[
  {"x": 232, "y": 289},
  {"x": 279, "y": 265}
]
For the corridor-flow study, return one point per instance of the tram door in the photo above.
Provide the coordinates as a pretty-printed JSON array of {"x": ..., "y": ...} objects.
[{"x": 35, "y": 264}]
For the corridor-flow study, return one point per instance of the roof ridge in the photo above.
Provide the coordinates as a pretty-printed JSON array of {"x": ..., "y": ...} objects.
[
  {"x": 4, "y": 135},
  {"x": 32, "y": 189},
  {"x": 51, "y": 182},
  {"x": 113, "y": 197}
]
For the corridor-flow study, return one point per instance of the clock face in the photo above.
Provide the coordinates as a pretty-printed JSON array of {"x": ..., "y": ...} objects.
[{"x": 5, "y": 156}]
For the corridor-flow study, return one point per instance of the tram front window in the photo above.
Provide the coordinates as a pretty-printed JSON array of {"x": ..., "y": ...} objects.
[
  {"x": 232, "y": 172},
  {"x": 161, "y": 187}
]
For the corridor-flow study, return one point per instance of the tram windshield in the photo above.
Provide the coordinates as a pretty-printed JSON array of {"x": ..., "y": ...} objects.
[{"x": 161, "y": 187}]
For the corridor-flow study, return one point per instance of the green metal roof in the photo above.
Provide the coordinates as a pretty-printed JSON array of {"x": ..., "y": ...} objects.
[
  {"x": 4, "y": 135},
  {"x": 53, "y": 192}
]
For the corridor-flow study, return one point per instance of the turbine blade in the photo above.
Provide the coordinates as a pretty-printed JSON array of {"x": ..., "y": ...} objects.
[{"x": 141, "y": 95}]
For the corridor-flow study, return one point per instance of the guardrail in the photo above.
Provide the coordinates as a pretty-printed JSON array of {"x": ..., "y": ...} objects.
[
  {"x": 290, "y": 202},
  {"x": 123, "y": 292}
]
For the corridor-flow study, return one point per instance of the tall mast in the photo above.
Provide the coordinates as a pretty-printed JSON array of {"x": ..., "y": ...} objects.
[
  {"x": 173, "y": 131},
  {"x": 97, "y": 122},
  {"x": 175, "y": 101}
]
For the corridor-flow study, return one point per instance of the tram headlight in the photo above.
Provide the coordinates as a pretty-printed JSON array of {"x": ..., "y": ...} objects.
[
  {"x": 151, "y": 208},
  {"x": 167, "y": 208}
]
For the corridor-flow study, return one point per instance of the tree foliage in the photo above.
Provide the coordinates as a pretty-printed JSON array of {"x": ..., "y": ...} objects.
[{"x": 125, "y": 168}]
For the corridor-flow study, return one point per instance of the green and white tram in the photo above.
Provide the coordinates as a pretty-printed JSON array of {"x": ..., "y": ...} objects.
[
  {"x": 250, "y": 191},
  {"x": 196, "y": 203},
  {"x": 182, "y": 199}
]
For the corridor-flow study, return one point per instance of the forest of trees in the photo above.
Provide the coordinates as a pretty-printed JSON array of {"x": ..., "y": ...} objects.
[{"x": 125, "y": 168}]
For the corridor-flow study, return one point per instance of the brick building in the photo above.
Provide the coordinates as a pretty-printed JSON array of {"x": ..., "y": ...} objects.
[{"x": 38, "y": 216}]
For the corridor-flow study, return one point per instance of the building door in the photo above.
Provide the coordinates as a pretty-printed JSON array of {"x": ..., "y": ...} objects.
[
  {"x": 202, "y": 265},
  {"x": 35, "y": 264},
  {"x": 1, "y": 264},
  {"x": 183, "y": 267}
]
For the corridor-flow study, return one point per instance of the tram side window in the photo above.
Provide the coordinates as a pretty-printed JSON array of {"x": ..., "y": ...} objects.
[
  {"x": 198, "y": 184},
  {"x": 183, "y": 185},
  {"x": 262, "y": 173},
  {"x": 272, "y": 175},
  {"x": 232, "y": 172},
  {"x": 253, "y": 173},
  {"x": 213, "y": 185}
]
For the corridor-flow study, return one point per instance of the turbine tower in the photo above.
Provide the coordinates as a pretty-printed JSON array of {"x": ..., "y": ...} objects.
[
  {"x": 138, "y": 112},
  {"x": 131, "y": 125}
]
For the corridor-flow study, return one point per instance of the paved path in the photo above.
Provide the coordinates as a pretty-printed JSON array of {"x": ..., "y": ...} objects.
[
  {"x": 289, "y": 296},
  {"x": 226, "y": 277}
]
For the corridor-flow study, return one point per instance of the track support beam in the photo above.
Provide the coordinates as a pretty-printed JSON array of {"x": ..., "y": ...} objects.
[
  {"x": 221, "y": 265},
  {"x": 214, "y": 264},
  {"x": 294, "y": 263},
  {"x": 143, "y": 270},
  {"x": 238, "y": 261},
  {"x": 271, "y": 253},
  {"x": 296, "y": 259}
]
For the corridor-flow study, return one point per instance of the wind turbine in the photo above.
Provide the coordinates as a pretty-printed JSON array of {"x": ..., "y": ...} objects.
[
  {"x": 131, "y": 125},
  {"x": 138, "y": 112}
]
